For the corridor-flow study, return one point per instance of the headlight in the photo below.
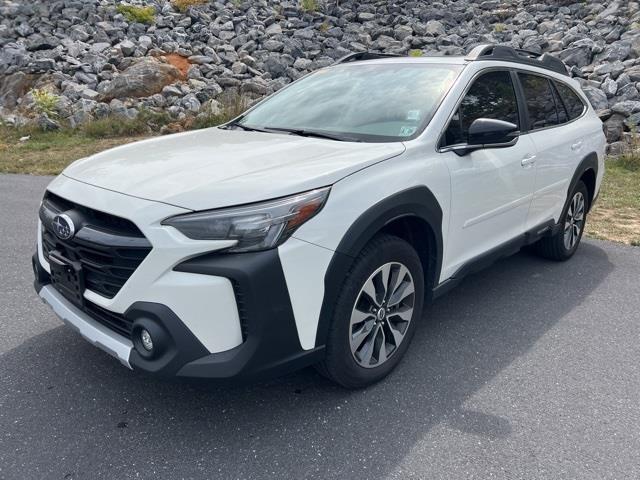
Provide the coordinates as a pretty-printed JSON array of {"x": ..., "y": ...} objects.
[{"x": 257, "y": 226}]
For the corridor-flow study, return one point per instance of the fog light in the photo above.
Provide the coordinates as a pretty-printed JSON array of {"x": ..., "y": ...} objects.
[{"x": 145, "y": 338}]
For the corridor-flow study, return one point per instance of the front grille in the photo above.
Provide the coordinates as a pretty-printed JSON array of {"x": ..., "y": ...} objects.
[
  {"x": 109, "y": 248},
  {"x": 109, "y": 319}
]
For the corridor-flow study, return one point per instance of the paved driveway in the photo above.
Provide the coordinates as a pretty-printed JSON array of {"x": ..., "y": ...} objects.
[{"x": 529, "y": 369}]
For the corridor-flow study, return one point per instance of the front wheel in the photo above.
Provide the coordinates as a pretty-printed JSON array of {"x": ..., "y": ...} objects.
[
  {"x": 376, "y": 313},
  {"x": 564, "y": 243}
]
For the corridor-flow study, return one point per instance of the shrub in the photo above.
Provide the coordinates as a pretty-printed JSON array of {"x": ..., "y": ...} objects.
[
  {"x": 324, "y": 26},
  {"x": 309, "y": 5},
  {"x": 45, "y": 102},
  {"x": 183, "y": 5},
  {"x": 415, "y": 53},
  {"x": 137, "y": 14},
  {"x": 499, "y": 27}
]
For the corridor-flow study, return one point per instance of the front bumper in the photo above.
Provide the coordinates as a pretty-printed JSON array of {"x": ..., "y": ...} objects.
[{"x": 270, "y": 344}]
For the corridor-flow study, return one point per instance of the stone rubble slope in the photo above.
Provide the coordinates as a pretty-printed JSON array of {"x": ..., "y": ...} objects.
[{"x": 186, "y": 63}]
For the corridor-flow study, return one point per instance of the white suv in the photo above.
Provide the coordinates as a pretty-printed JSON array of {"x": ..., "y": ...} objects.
[{"x": 312, "y": 229}]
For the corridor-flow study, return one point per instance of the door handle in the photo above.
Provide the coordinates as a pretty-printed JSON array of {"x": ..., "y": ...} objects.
[
  {"x": 528, "y": 161},
  {"x": 577, "y": 145}
]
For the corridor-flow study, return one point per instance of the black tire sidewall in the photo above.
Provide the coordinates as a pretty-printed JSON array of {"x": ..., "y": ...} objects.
[{"x": 339, "y": 363}]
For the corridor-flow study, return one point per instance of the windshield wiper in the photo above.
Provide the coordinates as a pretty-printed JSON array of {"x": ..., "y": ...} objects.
[
  {"x": 313, "y": 133},
  {"x": 237, "y": 123}
]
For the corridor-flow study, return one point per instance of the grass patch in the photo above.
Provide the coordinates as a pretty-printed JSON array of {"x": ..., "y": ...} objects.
[
  {"x": 144, "y": 124},
  {"x": 499, "y": 27},
  {"x": 48, "y": 153},
  {"x": 415, "y": 53},
  {"x": 183, "y": 5},
  {"x": 616, "y": 214},
  {"x": 137, "y": 14}
]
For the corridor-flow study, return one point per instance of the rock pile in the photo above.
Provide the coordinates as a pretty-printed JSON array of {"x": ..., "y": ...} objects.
[{"x": 101, "y": 62}]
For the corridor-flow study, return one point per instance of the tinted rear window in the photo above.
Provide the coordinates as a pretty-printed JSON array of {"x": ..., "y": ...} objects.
[
  {"x": 540, "y": 101},
  {"x": 571, "y": 101}
]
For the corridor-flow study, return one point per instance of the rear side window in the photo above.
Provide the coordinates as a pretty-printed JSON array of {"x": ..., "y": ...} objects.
[
  {"x": 540, "y": 102},
  {"x": 563, "y": 116},
  {"x": 572, "y": 102},
  {"x": 491, "y": 96}
]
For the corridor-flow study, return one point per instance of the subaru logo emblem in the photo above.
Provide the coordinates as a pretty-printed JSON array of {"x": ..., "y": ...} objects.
[{"x": 63, "y": 227}]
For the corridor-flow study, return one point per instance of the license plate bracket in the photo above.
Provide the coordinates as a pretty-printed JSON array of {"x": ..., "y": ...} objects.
[{"x": 67, "y": 277}]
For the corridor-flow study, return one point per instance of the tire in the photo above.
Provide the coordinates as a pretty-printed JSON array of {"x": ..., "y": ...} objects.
[
  {"x": 563, "y": 244},
  {"x": 359, "y": 321}
]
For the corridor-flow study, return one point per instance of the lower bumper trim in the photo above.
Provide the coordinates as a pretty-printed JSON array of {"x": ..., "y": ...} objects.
[{"x": 94, "y": 332}]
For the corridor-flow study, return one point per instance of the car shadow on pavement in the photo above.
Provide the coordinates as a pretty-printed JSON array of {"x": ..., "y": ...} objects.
[{"x": 68, "y": 409}]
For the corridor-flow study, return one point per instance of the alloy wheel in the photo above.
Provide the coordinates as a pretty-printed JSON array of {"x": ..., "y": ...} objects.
[
  {"x": 574, "y": 221},
  {"x": 381, "y": 315}
]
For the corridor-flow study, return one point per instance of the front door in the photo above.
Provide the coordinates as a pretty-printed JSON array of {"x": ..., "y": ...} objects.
[{"x": 491, "y": 189}]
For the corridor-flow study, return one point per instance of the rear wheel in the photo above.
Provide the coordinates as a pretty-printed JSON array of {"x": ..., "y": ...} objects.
[
  {"x": 376, "y": 313},
  {"x": 564, "y": 243}
]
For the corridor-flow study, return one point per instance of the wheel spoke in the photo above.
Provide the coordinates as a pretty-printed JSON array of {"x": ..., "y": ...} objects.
[
  {"x": 367, "y": 351},
  {"x": 382, "y": 353},
  {"x": 370, "y": 290},
  {"x": 395, "y": 334},
  {"x": 403, "y": 291},
  {"x": 360, "y": 335},
  {"x": 405, "y": 314}
]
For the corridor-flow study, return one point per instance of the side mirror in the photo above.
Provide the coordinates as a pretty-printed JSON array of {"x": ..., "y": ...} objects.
[{"x": 487, "y": 132}]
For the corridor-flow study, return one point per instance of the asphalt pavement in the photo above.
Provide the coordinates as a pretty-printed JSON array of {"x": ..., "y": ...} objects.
[{"x": 529, "y": 369}]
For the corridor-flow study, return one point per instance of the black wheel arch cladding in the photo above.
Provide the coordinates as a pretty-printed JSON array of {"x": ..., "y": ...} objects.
[
  {"x": 417, "y": 202},
  {"x": 589, "y": 162}
]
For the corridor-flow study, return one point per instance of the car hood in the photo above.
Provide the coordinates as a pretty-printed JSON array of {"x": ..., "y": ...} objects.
[{"x": 214, "y": 168}]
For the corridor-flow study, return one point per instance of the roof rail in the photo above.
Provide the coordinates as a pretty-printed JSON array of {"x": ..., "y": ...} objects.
[
  {"x": 354, "y": 57},
  {"x": 510, "y": 54}
]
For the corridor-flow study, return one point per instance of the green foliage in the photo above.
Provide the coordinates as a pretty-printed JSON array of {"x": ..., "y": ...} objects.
[
  {"x": 236, "y": 3},
  {"x": 137, "y": 14},
  {"x": 146, "y": 122},
  {"x": 309, "y": 5},
  {"x": 499, "y": 27},
  {"x": 324, "y": 26},
  {"x": 415, "y": 53},
  {"x": 183, "y": 5},
  {"x": 45, "y": 102}
]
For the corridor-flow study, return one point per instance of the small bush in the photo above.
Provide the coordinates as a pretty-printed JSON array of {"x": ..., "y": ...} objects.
[
  {"x": 499, "y": 27},
  {"x": 415, "y": 53},
  {"x": 309, "y": 5},
  {"x": 183, "y": 5},
  {"x": 137, "y": 14},
  {"x": 45, "y": 102},
  {"x": 324, "y": 26}
]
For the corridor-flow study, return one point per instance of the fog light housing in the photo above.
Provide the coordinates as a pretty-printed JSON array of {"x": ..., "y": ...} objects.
[{"x": 147, "y": 341}]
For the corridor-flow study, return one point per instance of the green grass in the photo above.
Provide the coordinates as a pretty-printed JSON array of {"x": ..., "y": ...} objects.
[
  {"x": 616, "y": 214},
  {"x": 137, "y": 14},
  {"x": 415, "y": 53}
]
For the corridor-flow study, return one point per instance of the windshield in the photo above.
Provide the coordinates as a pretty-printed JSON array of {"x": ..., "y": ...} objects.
[{"x": 361, "y": 102}]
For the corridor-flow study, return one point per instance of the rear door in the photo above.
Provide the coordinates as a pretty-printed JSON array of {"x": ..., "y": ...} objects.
[
  {"x": 551, "y": 109},
  {"x": 491, "y": 189}
]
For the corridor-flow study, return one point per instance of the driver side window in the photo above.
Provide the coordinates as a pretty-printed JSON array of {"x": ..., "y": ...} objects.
[{"x": 491, "y": 96}]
